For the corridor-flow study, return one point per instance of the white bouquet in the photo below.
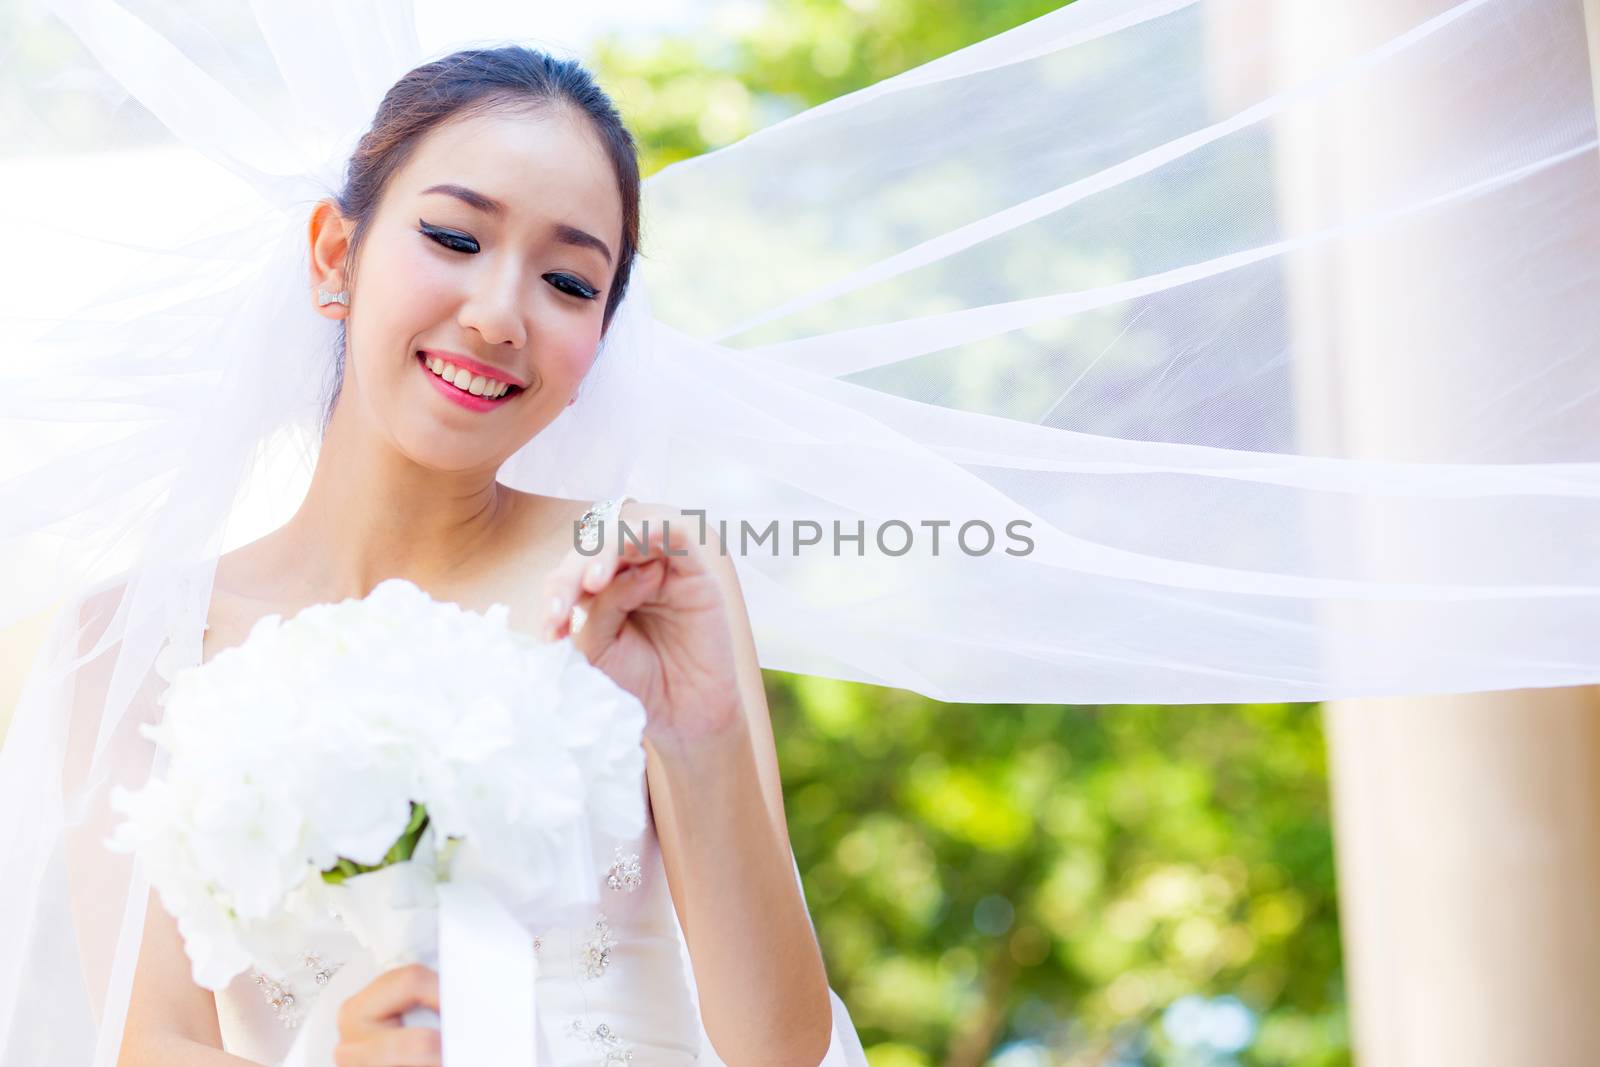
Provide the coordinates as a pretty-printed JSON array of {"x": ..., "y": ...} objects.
[{"x": 394, "y": 731}]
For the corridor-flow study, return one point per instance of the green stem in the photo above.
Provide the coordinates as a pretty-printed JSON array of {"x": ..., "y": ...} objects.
[{"x": 401, "y": 851}]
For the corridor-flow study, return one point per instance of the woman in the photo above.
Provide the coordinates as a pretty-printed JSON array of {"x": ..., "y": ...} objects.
[
  {"x": 480, "y": 248},
  {"x": 1093, "y": 273}
]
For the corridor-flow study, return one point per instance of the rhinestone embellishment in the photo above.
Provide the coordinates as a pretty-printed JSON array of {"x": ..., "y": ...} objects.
[
  {"x": 597, "y": 950},
  {"x": 625, "y": 875},
  {"x": 280, "y": 996},
  {"x": 281, "y": 1000},
  {"x": 322, "y": 973},
  {"x": 605, "y": 1041},
  {"x": 589, "y": 525}
]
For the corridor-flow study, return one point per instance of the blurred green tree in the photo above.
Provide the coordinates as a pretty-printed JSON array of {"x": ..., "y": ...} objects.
[{"x": 1062, "y": 876}]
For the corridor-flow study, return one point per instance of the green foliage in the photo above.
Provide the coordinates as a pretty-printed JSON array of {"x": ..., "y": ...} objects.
[
  {"x": 1074, "y": 869},
  {"x": 756, "y": 64}
]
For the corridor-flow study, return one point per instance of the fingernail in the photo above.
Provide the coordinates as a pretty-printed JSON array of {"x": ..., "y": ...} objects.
[
  {"x": 558, "y": 607},
  {"x": 596, "y": 569}
]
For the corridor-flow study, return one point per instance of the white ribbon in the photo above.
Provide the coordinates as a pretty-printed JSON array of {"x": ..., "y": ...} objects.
[
  {"x": 487, "y": 969},
  {"x": 487, "y": 972}
]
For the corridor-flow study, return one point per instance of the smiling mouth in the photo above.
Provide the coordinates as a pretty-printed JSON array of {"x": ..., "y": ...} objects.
[{"x": 480, "y": 388}]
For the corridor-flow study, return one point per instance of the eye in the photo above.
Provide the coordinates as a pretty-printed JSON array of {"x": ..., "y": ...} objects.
[
  {"x": 454, "y": 240},
  {"x": 566, "y": 283}
]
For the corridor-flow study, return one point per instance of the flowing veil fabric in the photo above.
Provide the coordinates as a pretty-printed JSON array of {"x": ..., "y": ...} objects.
[{"x": 1272, "y": 325}]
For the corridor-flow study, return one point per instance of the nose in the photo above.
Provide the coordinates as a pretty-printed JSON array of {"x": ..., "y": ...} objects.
[{"x": 494, "y": 308}]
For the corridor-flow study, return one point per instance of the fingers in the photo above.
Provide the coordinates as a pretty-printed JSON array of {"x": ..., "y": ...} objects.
[
  {"x": 380, "y": 1004},
  {"x": 413, "y": 1046},
  {"x": 575, "y": 577},
  {"x": 578, "y": 577},
  {"x": 370, "y": 1031},
  {"x": 607, "y": 611}
]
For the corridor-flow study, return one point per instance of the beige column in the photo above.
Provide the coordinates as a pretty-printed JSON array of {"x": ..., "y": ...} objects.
[
  {"x": 1468, "y": 826},
  {"x": 1468, "y": 832}
]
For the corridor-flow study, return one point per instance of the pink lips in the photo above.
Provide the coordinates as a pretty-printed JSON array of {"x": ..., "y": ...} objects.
[{"x": 460, "y": 396}]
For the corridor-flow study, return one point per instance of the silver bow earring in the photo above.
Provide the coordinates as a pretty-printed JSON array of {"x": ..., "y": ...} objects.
[{"x": 324, "y": 298}]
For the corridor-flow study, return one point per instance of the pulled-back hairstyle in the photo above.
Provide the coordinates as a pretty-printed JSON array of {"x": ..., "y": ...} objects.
[{"x": 475, "y": 81}]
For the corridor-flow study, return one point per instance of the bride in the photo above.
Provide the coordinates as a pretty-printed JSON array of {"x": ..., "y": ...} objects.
[
  {"x": 1283, "y": 430},
  {"x": 480, "y": 246}
]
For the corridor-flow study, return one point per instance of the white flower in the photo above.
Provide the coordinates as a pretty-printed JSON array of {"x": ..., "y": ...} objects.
[{"x": 309, "y": 743}]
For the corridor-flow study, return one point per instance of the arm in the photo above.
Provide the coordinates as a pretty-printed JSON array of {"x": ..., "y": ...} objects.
[
  {"x": 718, "y": 799},
  {"x": 171, "y": 1021}
]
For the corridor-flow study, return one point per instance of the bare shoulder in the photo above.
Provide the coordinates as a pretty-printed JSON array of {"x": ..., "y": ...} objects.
[
  {"x": 640, "y": 515},
  {"x": 695, "y": 521},
  {"x": 545, "y": 526}
]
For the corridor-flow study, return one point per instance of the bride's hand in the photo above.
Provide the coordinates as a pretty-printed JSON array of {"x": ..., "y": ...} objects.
[
  {"x": 370, "y": 1031},
  {"x": 654, "y": 619}
]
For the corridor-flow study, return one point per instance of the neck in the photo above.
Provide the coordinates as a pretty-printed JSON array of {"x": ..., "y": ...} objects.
[{"x": 372, "y": 513}]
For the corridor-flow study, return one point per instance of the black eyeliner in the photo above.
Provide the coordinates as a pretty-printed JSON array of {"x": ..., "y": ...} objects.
[
  {"x": 444, "y": 237},
  {"x": 588, "y": 293}
]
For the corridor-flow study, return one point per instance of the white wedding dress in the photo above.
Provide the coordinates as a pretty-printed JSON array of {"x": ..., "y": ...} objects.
[
  {"x": 618, "y": 987},
  {"x": 616, "y": 990}
]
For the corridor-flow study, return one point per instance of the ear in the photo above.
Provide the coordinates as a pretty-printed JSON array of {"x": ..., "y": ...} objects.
[{"x": 330, "y": 247}]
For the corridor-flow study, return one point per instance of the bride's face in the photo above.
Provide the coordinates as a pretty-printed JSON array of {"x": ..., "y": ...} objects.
[{"x": 492, "y": 249}]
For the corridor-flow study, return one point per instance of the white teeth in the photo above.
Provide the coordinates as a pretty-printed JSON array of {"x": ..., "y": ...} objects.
[{"x": 465, "y": 380}]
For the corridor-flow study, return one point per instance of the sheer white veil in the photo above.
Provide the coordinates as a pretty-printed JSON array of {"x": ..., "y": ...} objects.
[{"x": 1274, "y": 324}]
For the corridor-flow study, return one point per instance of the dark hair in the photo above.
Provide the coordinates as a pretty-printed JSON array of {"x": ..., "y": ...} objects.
[{"x": 470, "y": 82}]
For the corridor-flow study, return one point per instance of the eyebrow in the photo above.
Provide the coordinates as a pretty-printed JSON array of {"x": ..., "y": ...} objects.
[{"x": 565, "y": 234}]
